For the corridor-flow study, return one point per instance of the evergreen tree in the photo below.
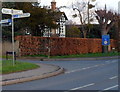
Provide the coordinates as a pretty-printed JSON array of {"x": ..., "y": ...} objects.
[{"x": 40, "y": 18}]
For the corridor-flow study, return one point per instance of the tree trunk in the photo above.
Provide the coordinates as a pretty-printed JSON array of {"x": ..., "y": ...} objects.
[
  {"x": 104, "y": 47},
  {"x": 84, "y": 34}
]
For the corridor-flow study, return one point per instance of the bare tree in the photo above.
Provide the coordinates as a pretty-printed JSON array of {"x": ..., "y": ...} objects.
[
  {"x": 84, "y": 15},
  {"x": 106, "y": 20}
]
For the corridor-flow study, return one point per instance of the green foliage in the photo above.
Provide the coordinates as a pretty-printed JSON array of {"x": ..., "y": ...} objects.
[
  {"x": 81, "y": 55},
  {"x": 95, "y": 31},
  {"x": 40, "y": 55},
  {"x": 91, "y": 6},
  {"x": 74, "y": 16},
  {"x": 7, "y": 66},
  {"x": 88, "y": 55},
  {"x": 8, "y": 4},
  {"x": 40, "y": 18},
  {"x": 73, "y": 32}
]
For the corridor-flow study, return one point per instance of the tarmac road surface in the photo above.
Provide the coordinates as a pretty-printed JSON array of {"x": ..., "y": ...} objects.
[{"x": 79, "y": 75}]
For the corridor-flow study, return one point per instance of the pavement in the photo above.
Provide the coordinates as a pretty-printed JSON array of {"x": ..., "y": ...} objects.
[{"x": 45, "y": 70}]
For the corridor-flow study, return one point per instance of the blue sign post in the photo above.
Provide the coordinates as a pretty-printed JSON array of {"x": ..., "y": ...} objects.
[{"x": 105, "y": 40}]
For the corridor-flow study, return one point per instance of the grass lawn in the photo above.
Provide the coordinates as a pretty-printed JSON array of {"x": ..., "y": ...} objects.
[
  {"x": 88, "y": 55},
  {"x": 80, "y": 55},
  {"x": 7, "y": 66}
]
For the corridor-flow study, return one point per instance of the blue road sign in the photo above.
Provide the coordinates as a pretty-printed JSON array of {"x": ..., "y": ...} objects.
[
  {"x": 9, "y": 20},
  {"x": 5, "y": 21},
  {"x": 105, "y": 40},
  {"x": 15, "y": 16},
  {"x": 6, "y": 24}
]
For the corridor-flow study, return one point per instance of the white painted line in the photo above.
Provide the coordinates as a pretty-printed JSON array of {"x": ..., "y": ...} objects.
[
  {"x": 113, "y": 77},
  {"x": 85, "y": 68},
  {"x": 111, "y": 87},
  {"x": 107, "y": 61},
  {"x": 73, "y": 71},
  {"x": 96, "y": 65},
  {"x": 81, "y": 69},
  {"x": 83, "y": 86},
  {"x": 103, "y": 64},
  {"x": 111, "y": 61},
  {"x": 114, "y": 61},
  {"x": 77, "y": 70}
]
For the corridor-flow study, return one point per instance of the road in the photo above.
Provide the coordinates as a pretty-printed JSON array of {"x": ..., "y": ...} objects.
[{"x": 79, "y": 75}]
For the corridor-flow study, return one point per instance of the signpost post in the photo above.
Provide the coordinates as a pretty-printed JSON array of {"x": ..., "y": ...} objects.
[
  {"x": 13, "y": 38},
  {"x": 15, "y": 14}
]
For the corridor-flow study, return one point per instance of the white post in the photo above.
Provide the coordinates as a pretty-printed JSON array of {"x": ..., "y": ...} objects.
[{"x": 13, "y": 38}]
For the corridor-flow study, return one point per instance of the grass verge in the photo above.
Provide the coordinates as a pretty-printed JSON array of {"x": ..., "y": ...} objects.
[
  {"x": 7, "y": 66},
  {"x": 40, "y": 55},
  {"x": 88, "y": 55},
  {"x": 80, "y": 55}
]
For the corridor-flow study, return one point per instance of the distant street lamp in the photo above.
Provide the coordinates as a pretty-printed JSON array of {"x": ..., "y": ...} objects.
[{"x": 89, "y": 6}]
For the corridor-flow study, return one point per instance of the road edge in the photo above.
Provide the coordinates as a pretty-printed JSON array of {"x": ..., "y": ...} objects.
[{"x": 46, "y": 75}]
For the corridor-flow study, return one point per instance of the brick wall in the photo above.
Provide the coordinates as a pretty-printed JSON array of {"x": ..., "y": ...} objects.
[{"x": 30, "y": 45}]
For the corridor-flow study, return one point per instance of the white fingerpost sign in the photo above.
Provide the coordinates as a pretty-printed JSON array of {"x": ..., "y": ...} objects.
[
  {"x": 11, "y": 11},
  {"x": 21, "y": 15}
]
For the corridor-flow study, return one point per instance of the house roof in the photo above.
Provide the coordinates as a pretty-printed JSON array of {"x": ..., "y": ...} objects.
[
  {"x": 65, "y": 16},
  {"x": 59, "y": 15}
]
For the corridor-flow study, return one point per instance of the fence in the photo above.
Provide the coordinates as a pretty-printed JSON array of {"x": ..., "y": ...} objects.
[{"x": 31, "y": 45}]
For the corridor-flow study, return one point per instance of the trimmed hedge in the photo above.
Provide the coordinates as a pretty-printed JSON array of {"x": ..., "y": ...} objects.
[{"x": 31, "y": 45}]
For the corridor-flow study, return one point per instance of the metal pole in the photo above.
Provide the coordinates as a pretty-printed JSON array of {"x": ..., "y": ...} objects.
[
  {"x": 13, "y": 38},
  {"x": 49, "y": 44}
]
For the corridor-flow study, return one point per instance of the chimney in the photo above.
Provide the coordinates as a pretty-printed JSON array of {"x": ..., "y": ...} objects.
[{"x": 53, "y": 5}]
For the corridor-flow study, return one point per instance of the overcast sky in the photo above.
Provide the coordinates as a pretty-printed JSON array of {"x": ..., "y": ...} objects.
[
  {"x": 100, "y": 4},
  {"x": 110, "y": 3}
]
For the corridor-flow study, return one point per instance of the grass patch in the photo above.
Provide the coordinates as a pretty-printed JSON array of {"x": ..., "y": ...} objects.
[
  {"x": 88, "y": 55},
  {"x": 7, "y": 66},
  {"x": 37, "y": 55},
  {"x": 80, "y": 55},
  {"x": 5, "y": 57}
]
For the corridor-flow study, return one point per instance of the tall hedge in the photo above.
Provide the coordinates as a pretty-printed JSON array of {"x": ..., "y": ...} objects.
[{"x": 31, "y": 45}]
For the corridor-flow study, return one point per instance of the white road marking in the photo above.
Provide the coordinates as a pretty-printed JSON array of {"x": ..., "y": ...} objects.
[
  {"x": 85, "y": 68},
  {"x": 107, "y": 61},
  {"x": 96, "y": 65},
  {"x": 83, "y": 86},
  {"x": 111, "y": 87},
  {"x": 81, "y": 69},
  {"x": 113, "y": 77},
  {"x": 112, "y": 61},
  {"x": 73, "y": 71}
]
